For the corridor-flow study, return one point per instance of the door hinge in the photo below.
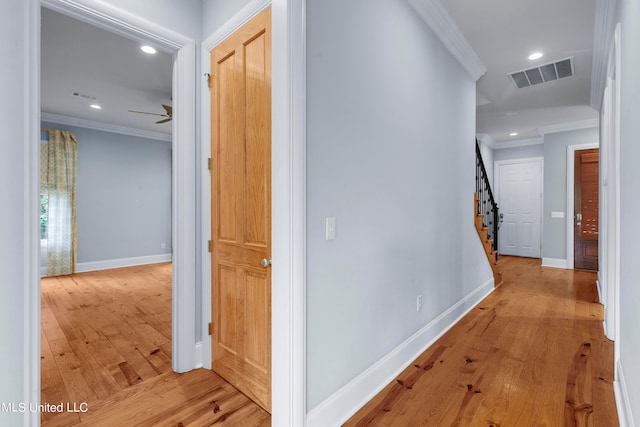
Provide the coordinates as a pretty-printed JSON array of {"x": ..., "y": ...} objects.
[
  {"x": 208, "y": 76},
  {"x": 210, "y": 328},
  {"x": 210, "y": 163},
  {"x": 210, "y": 246}
]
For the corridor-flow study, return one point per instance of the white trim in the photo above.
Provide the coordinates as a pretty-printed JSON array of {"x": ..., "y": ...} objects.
[
  {"x": 198, "y": 353},
  {"x": 183, "y": 159},
  {"x": 623, "y": 402},
  {"x": 104, "y": 127},
  {"x": 602, "y": 41},
  {"x": 289, "y": 213},
  {"x": 120, "y": 21},
  {"x": 238, "y": 20},
  {"x": 554, "y": 262},
  {"x": 518, "y": 143},
  {"x": 341, "y": 405},
  {"x": 288, "y": 204},
  {"x": 83, "y": 267},
  {"x": 31, "y": 191},
  {"x": 444, "y": 27},
  {"x": 486, "y": 139},
  {"x": 571, "y": 149},
  {"x": 183, "y": 196},
  {"x": 569, "y": 126}
]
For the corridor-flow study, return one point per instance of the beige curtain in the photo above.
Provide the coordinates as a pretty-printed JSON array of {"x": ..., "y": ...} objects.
[{"x": 62, "y": 239}]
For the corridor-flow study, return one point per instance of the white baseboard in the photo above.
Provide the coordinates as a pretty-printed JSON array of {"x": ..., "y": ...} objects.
[
  {"x": 82, "y": 267},
  {"x": 198, "y": 356},
  {"x": 555, "y": 263},
  {"x": 625, "y": 416},
  {"x": 341, "y": 405}
]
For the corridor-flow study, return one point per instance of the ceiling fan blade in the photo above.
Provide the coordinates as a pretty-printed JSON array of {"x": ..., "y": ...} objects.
[
  {"x": 144, "y": 112},
  {"x": 168, "y": 109},
  {"x": 163, "y": 120}
]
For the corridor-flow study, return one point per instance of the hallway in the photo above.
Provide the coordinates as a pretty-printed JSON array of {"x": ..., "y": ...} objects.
[{"x": 532, "y": 353}]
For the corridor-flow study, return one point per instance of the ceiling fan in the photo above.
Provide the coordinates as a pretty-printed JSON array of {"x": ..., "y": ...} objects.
[{"x": 168, "y": 114}]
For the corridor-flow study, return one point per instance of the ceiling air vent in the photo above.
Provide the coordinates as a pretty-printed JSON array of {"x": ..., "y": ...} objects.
[{"x": 543, "y": 73}]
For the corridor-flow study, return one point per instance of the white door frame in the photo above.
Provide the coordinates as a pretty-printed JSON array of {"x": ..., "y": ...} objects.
[
  {"x": 496, "y": 182},
  {"x": 288, "y": 178},
  {"x": 571, "y": 150},
  {"x": 288, "y": 202},
  {"x": 182, "y": 151}
]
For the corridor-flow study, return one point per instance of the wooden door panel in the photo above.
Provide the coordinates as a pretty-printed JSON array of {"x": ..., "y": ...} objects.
[
  {"x": 229, "y": 149},
  {"x": 228, "y": 309},
  {"x": 258, "y": 320},
  {"x": 586, "y": 205},
  {"x": 241, "y": 208}
]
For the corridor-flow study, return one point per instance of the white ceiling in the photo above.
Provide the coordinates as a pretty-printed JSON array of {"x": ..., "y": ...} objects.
[
  {"x": 504, "y": 33},
  {"x": 78, "y": 57}
]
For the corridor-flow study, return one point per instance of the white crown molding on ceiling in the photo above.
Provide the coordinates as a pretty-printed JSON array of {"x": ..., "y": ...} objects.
[
  {"x": 602, "y": 45},
  {"x": 486, "y": 139},
  {"x": 104, "y": 127},
  {"x": 114, "y": 19},
  {"x": 519, "y": 143},
  {"x": 564, "y": 127},
  {"x": 439, "y": 20},
  {"x": 544, "y": 130}
]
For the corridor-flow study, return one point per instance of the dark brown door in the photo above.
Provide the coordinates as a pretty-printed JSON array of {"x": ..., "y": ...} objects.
[{"x": 586, "y": 210}]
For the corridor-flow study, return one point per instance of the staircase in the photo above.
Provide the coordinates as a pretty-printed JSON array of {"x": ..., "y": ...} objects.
[{"x": 486, "y": 217}]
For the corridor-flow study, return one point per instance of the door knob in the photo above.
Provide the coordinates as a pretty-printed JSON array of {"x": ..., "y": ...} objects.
[{"x": 266, "y": 263}]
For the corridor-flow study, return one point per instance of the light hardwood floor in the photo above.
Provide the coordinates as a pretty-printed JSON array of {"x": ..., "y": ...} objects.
[
  {"x": 106, "y": 350},
  {"x": 533, "y": 353}
]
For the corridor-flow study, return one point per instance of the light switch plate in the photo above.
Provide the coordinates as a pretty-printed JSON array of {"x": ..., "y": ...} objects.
[
  {"x": 557, "y": 214},
  {"x": 331, "y": 228}
]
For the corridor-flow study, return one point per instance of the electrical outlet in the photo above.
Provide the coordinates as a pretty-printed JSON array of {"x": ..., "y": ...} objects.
[
  {"x": 163, "y": 245},
  {"x": 419, "y": 303}
]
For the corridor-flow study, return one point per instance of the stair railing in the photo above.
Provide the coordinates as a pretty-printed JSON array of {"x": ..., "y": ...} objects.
[{"x": 487, "y": 205}]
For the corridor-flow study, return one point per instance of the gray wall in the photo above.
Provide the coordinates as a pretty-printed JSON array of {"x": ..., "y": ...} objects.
[
  {"x": 215, "y": 13},
  {"x": 123, "y": 195},
  {"x": 390, "y": 154},
  {"x": 554, "y": 237},
  {"x": 16, "y": 282},
  {"x": 629, "y": 201}
]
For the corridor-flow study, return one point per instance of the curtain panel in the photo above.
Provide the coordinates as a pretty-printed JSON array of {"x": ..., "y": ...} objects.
[{"x": 62, "y": 239}]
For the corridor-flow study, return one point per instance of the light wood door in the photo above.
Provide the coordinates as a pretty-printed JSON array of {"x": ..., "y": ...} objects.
[
  {"x": 519, "y": 198},
  {"x": 241, "y": 208},
  {"x": 586, "y": 209}
]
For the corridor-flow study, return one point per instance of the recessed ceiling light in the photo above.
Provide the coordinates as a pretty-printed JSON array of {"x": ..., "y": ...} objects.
[
  {"x": 535, "y": 55},
  {"x": 513, "y": 134},
  {"x": 148, "y": 49},
  {"x": 95, "y": 106}
]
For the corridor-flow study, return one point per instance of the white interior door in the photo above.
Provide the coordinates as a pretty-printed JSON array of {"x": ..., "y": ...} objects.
[{"x": 518, "y": 188}]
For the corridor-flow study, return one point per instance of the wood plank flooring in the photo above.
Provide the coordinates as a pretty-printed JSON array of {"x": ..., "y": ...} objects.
[
  {"x": 106, "y": 357},
  {"x": 533, "y": 353}
]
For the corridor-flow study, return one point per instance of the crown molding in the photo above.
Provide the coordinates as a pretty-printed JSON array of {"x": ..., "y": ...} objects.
[
  {"x": 519, "y": 143},
  {"x": 438, "y": 19},
  {"x": 104, "y": 127},
  {"x": 564, "y": 127},
  {"x": 602, "y": 44},
  {"x": 487, "y": 140},
  {"x": 120, "y": 21}
]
